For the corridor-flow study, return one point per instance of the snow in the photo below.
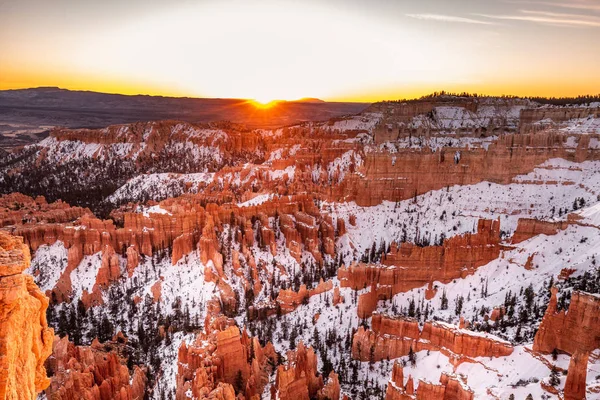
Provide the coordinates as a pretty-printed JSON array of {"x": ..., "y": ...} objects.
[
  {"x": 365, "y": 121},
  {"x": 260, "y": 199},
  {"x": 169, "y": 354},
  {"x": 582, "y": 126},
  {"x": 455, "y": 210},
  {"x": 184, "y": 280},
  {"x": 280, "y": 173},
  {"x": 342, "y": 165},
  {"x": 48, "y": 265},
  {"x": 590, "y": 215},
  {"x": 83, "y": 278},
  {"x": 157, "y": 209},
  {"x": 158, "y": 186},
  {"x": 447, "y": 119}
]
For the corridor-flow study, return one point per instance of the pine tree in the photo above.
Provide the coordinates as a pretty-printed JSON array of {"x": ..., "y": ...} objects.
[
  {"x": 293, "y": 336},
  {"x": 554, "y": 378},
  {"x": 411, "y": 308},
  {"x": 444, "y": 303},
  {"x": 412, "y": 357},
  {"x": 459, "y": 305}
]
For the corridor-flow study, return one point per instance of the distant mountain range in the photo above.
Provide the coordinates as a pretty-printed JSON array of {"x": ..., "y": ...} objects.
[{"x": 25, "y": 114}]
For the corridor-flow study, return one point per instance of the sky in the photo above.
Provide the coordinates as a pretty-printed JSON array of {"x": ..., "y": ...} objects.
[{"x": 336, "y": 50}]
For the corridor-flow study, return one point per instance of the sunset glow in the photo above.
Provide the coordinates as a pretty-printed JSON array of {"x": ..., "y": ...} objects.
[{"x": 285, "y": 50}]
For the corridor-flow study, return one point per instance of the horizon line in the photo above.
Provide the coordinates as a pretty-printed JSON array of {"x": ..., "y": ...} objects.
[{"x": 306, "y": 98}]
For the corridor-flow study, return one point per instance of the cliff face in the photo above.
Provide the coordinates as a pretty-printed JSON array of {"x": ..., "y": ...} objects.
[
  {"x": 572, "y": 331},
  {"x": 95, "y": 372},
  {"x": 530, "y": 116},
  {"x": 528, "y": 228},
  {"x": 575, "y": 386},
  {"x": 423, "y": 171},
  {"x": 16, "y": 208},
  {"x": 408, "y": 266},
  {"x": 25, "y": 339},
  {"x": 392, "y": 338}
]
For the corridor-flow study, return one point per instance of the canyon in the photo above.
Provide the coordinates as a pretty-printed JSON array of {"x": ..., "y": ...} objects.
[{"x": 442, "y": 248}]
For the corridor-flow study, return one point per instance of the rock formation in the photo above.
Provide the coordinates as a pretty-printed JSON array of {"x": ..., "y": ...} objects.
[
  {"x": 25, "y": 339},
  {"x": 221, "y": 361},
  {"x": 572, "y": 331},
  {"x": 451, "y": 387},
  {"x": 575, "y": 386},
  {"x": 299, "y": 379},
  {"x": 408, "y": 266},
  {"x": 95, "y": 372},
  {"x": 393, "y": 338},
  {"x": 528, "y": 228}
]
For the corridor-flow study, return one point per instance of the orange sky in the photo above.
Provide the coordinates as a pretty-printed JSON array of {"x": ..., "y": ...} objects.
[{"x": 333, "y": 50}]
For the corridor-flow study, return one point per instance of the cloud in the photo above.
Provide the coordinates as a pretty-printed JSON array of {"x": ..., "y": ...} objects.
[
  {"x": 549, "y": 18},
  {"x": 574, "y": 5},
  {"x": 449, "y": 18}
]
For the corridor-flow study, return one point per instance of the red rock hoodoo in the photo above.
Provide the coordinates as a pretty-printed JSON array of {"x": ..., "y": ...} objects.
[
  {"x": 25, "y": 339},
  {"x": 95, "y": 372},
  {"x": 573, "y": 331}
]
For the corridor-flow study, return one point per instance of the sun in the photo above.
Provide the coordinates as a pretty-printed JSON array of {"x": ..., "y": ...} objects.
[{"x": 264, "y": 102}]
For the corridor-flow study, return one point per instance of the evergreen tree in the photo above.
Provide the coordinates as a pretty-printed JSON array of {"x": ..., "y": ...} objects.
[
  {"x": 444, "y": 301},
  {"x": 412, "y": 357},
  {"x": 554, "y": 378}
]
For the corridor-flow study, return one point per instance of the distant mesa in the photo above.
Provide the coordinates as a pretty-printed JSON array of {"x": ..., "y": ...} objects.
[{"x": 310, "y": 100}]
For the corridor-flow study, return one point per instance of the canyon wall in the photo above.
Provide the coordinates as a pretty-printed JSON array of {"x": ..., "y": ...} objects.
[
  {"x": 420, "y": 171},
  {"x": 25, "y": 339},
  {"x": 409, "y": 266},
  {"x": 529, "y": 227},
  {"x": 573, "y": 330},
  {"x": 390, "y": 338}
]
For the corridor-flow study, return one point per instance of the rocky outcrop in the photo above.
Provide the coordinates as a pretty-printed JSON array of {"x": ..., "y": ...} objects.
[
  {"x": 391, "y": 338},
  {"x": 575, "y": 386},
  {"x": 17, "y": 209},
  {"x": 451, "y": 387},
  {"x": 183, "y": 225},
  {"x": 25, "y": 339},
  {"x": 380, "y": 178},
  {"x": 95, "y": 372},
  {"x": 530, "y": 116},
  {"x": 396, "y": 390},
  {"x": 530, "y": 227},
  {"x": 408, "y": 266},
  {"x": 299, "y": 379},
  {"x": 288, "y": 300},
  {"x": 367, "y": 302},
  {"x": 572, "y": 331},
  {"x": 331, "y": 390},
  {"x": 222, "y": 361}
]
